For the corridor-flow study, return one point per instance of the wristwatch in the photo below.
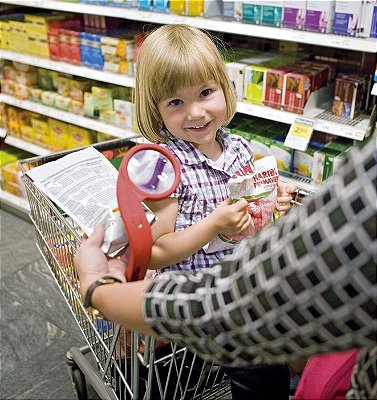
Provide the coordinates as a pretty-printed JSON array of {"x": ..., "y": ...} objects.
[{"x": 105, "y": 280}]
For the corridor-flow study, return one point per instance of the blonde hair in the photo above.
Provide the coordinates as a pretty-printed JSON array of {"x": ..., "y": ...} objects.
[{"x": 173, "y": 57}]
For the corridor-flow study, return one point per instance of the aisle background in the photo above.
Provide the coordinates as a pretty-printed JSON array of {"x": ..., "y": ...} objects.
[{"x": 37, "y": 327}]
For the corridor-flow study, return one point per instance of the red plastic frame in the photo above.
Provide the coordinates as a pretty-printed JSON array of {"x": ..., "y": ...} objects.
[{"x": 130, "y": 198}]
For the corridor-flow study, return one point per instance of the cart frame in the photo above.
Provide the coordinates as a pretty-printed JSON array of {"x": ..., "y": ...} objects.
[{"x": 126, "y": 364}]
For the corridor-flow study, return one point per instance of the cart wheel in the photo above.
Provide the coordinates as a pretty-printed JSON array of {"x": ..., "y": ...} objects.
[{"x": 79, "y": 384}]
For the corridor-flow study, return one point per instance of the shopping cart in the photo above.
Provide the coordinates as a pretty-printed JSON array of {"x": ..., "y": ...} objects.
[{"x": 125, "y": 364}]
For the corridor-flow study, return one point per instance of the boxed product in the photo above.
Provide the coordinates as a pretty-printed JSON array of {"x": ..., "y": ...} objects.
[
  {"x": 5, "y": 35},
  {"x": 303, "y": 161},
  {"x": 294, "y": 14},
  {"x": 162, "y": 6},
  {"x": 252, "y": 12},
  {"x": 272, "y": 13},
  {"x": 348, "y": 97},
  {"x": 319, "y": 16},
  {"x": 236, "y": 72},
  {"x": 326, "y": 161},
  {"x": 203, "y": 8},
  {"x": 79, "y": 137},
  {"x": 261, "y": 145},
  {"x": 255, "y": 84},
  {"x": 232, "y": 10},
  {"x": 347, "y": 17},
  {"x": 274, "y": 88},
  {"x": 146, "y": 5},
  {"x": 18, "y": 36},
  {"x": 59, "y": 134},
  {"x": 103, "y": 98},
  {"x": 13, "y": 126},
  {"x": 41, "y": 132},
  {"x": 373, "y": 25},
  {"x": 297, "y": 88},
  {"x": 178, "y": 7},
  {"x": 69, "y": 44},
  {"x": 367, "y": 19},
  {"x": 123, "y": 113}
]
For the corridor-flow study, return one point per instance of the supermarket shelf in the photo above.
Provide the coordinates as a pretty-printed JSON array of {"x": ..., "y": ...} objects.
[
  {"x": 300, "y": 182},
  {"x": 355, "y": 129},
  {"x": 116, "y": 79},
  {"x": 30, "y": 147},
  {"x": 65, "y": 116},
  {"x": 328, "y": 40},
  {"x": 16, "y": 204}
]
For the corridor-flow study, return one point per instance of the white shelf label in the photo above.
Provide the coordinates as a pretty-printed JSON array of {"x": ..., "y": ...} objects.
[{"x": 300, "y": 133}]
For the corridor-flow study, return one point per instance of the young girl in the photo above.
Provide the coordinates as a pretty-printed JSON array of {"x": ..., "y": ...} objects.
[{"x": 183, "y": 100}]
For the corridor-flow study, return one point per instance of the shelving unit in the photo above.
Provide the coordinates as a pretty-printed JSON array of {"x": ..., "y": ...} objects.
[
  {"x": 325, "y": 122},
  {"x": 317, "y": 110},
  {"x": 65, "y": 116},
  {"x": 211, "y": 24}
]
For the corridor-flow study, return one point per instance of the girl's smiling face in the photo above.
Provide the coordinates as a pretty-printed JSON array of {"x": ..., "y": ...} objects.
[{"x": 195, "y": 114}]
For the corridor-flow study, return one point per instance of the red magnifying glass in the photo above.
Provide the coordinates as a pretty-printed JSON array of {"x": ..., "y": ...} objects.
[{"x": 147, "y": 172}]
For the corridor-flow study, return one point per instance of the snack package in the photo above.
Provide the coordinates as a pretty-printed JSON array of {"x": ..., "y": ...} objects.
[{"x": 257, "y": 183}]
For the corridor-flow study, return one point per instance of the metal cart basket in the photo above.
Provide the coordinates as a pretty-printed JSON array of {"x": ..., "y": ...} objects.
[{"x": 127, "y": 365}]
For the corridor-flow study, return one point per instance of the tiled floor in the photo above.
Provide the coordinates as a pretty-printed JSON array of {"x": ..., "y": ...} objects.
[{"x": 37, "y": 327}]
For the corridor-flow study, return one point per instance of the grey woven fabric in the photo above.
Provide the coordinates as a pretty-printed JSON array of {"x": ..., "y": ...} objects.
[
  {"x": 364, "y": 376},
  {"x": 304, "y": 286}
]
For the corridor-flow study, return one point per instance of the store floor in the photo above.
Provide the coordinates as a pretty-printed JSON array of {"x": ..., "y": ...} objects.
[{"x": 37, "y": 327}]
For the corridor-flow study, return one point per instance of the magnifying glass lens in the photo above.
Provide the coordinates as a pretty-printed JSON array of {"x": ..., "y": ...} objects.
[{"x": 151, "y": 171}]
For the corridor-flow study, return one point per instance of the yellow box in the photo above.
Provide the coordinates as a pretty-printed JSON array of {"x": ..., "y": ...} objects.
[
  {"x": 38, "y": 48},
  {"x": 5, "y": 35},
  {"x": 19, "y": 37},
  {"x": 27, "y": 133},
  {"x": 13, "y": 129},
  {"x": 44, "y": 19},
  {"x": 59, "y": 134},
  {"x": 10, "y": 172},
  {"x": 178, "y": 7},
  {"x": 195, "y": 8},
  {"x": 79, "y": 137},
  {"x": 25, "y": 117},
  {"x": 12, "y": 188},
  {"x": 40, "y": 125}
]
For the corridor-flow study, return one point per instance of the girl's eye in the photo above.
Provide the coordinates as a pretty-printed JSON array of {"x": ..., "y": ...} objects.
[
  {"x": 175, "y": 102},
  {"x": 206, "y": 92}
]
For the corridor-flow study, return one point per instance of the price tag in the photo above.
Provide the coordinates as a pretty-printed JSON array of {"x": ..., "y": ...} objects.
[{"x": 300, "y": 133}]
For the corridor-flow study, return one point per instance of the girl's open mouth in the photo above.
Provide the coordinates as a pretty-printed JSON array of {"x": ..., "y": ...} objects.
[{"x": 199, "y": 127}]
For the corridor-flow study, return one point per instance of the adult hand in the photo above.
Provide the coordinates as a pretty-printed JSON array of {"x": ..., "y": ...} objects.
[
  {"x": 91, "y": 262},
  {"x": 284, "y": 197}
]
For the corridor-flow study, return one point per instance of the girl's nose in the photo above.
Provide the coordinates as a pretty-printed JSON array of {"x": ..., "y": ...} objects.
[{"x": 196, "y": 112}]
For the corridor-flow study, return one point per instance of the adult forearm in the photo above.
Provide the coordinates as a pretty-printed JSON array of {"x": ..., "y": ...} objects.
[{"x": 121, "y": 302}]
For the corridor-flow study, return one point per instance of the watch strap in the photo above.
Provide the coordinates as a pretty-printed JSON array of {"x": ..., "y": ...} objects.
[{"x": 105, "y": 280}]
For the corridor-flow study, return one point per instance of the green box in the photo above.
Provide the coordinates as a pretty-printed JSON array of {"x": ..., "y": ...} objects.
[{"x": 255, "y": 84}]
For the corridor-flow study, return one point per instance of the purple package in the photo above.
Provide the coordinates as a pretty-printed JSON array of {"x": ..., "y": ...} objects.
[
  {"x": 294, "y": 14},
  {"x": 319, "y": 16},
  {"x": 373, "y": 28}
]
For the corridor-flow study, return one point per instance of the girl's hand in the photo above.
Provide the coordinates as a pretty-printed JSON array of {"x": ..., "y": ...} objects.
[
  {"x": 284, "y": 197},
  {"x": 91, "y": 262},
  {"x": 231, "y": 218}
]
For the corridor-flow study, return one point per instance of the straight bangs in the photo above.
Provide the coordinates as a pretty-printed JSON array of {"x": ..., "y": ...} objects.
[{"x": 185, "y": 71}]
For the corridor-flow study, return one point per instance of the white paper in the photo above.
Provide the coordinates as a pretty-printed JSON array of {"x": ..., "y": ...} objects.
[{"x": 83, "y": 184}]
